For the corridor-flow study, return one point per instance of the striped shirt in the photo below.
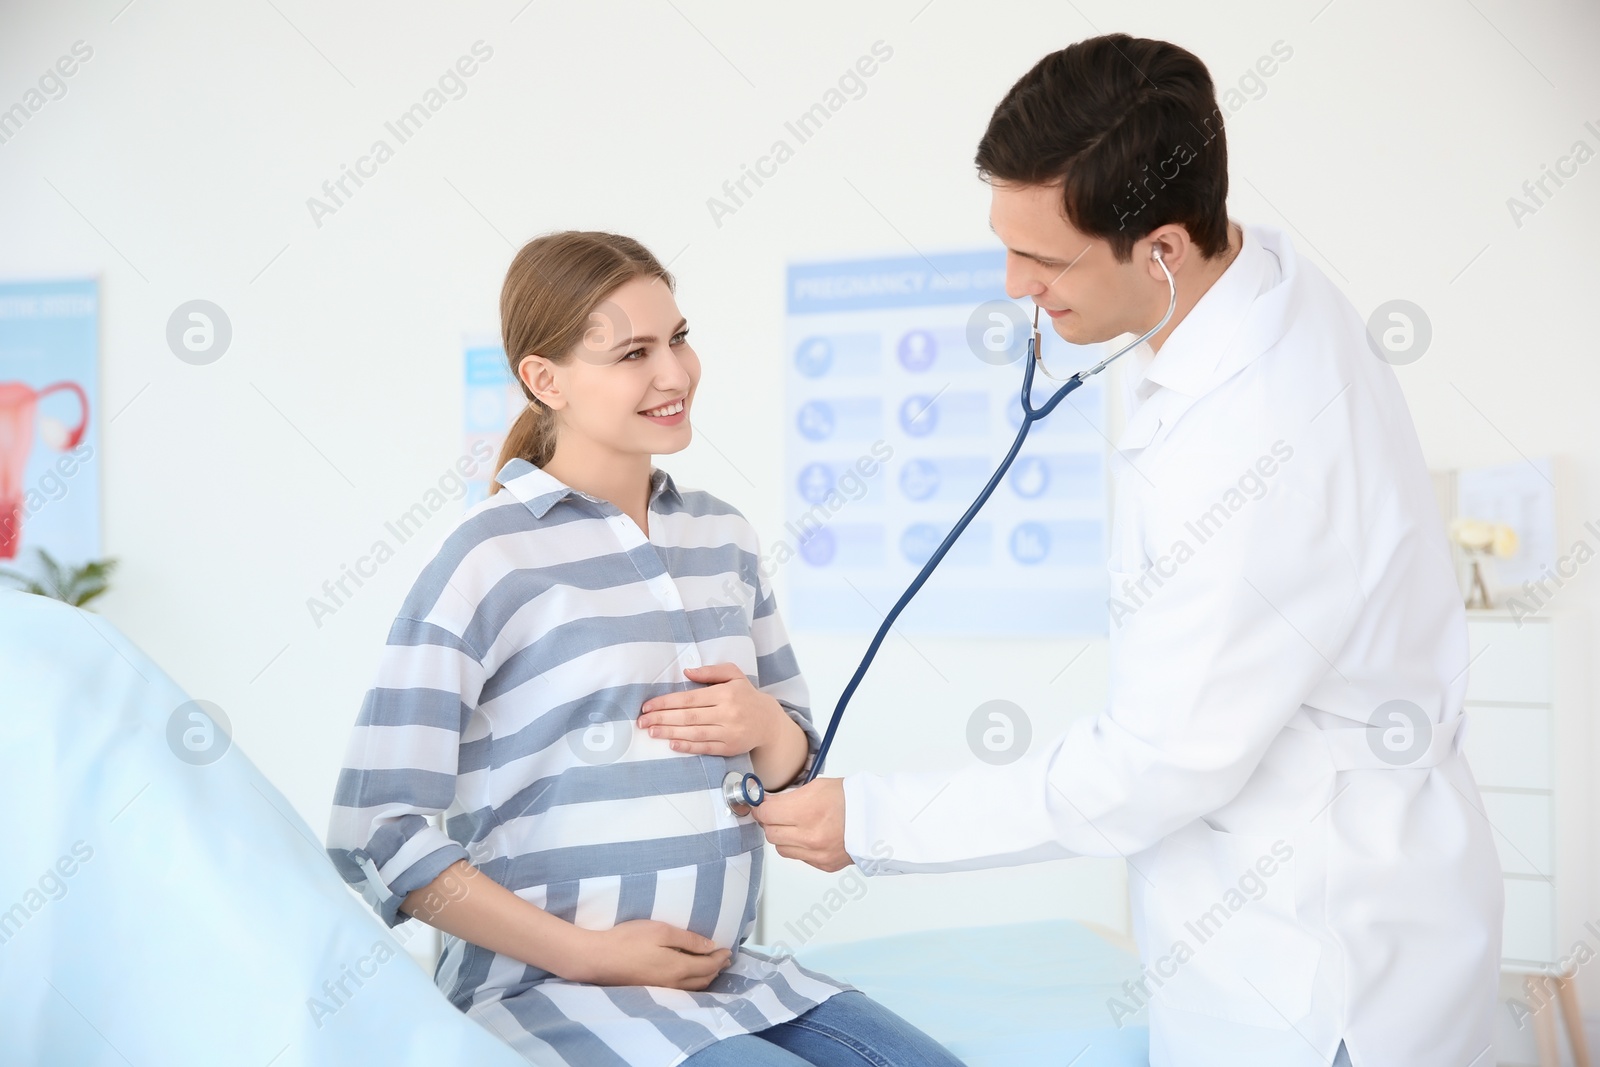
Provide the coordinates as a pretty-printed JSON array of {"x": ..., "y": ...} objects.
[{"x": 506, "y": 697}]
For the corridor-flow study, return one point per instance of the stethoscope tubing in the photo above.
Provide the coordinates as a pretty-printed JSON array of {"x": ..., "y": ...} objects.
[{"x": 1030, "y": 415}]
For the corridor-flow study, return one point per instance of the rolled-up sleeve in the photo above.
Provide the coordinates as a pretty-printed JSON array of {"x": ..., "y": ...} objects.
[{"x": 400, "y": 767}]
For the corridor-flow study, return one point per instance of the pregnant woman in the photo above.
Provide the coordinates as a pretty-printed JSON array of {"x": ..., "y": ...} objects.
[{"x": 571, "y": 676}]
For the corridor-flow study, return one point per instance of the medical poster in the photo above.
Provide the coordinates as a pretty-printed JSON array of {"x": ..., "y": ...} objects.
[
  {"x": 903, "y": 377},
  {"x": 49, "y": 400}
]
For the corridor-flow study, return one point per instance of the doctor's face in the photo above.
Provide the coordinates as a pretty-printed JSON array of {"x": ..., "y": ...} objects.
[{"x": 1076, "y": 279}]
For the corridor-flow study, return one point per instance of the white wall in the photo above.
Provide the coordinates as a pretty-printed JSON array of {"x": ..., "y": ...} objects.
[{"x": 179, "y": 162}]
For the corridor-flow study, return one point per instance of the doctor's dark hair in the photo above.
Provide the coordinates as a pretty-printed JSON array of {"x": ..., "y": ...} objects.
[
  {"x": 1130, "y": 128},
  {"x": 550, "y": 296}
]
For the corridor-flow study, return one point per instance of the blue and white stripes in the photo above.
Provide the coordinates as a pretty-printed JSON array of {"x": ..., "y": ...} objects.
[{"x": 506, "y": 698}]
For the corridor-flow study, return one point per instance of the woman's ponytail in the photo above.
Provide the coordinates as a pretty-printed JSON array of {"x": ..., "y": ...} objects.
[{"x": 532, "y": 437}]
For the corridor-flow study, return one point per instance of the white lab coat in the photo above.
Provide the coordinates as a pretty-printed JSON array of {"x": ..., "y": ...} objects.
[{"x": 1295, "y": 878}]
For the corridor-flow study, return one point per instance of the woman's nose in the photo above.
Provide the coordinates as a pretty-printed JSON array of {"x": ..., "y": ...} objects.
[{"x": 671, "y": 375}]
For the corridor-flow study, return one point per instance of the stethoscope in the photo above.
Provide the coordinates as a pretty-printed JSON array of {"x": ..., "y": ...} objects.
[{"x": 743, "y": 790}]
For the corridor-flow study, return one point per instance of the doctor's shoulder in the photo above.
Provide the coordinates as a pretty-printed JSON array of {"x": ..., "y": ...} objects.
[{"x": 1328, "y": 330}]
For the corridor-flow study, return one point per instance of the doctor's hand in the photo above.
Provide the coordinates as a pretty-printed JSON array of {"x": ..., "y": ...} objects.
[{"x": 807, "y": 823}]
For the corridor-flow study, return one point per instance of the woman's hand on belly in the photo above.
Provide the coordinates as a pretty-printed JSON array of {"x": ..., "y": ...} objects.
[
  {"x": 727, "y": 716},
  {"x": 646, "y": 952},
  {"x": 467, "y": 903}
]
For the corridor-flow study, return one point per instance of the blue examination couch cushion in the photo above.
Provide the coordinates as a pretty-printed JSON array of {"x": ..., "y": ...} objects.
[
  {"x": 997, "y": 996},
  {"x": 158, "y": 906}
]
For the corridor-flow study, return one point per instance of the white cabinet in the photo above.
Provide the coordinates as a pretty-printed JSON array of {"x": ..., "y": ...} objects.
[{"x": 1527, "y": 741}]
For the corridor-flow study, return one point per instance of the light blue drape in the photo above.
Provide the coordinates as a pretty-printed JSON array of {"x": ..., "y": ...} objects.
[{"x": 165, "y": 910}]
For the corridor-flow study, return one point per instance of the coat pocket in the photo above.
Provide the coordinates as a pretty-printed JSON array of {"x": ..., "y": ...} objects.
[{"x": 1220, "y": 930}]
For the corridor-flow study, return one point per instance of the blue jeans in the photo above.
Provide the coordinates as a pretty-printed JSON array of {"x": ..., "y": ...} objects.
[{"x": 846, "y": 1030}]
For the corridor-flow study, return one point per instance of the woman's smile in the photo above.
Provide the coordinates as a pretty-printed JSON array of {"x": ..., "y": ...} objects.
[{"x": 668, "y": 414}]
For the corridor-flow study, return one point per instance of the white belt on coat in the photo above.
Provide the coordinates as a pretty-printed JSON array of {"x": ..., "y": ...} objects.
[{"x": 1351, "y": 748}]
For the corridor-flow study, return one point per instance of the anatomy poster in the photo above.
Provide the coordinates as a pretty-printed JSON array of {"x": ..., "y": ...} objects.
[
  {"x": 49, "y": 450},
  {"x": 902, "y": 397}
]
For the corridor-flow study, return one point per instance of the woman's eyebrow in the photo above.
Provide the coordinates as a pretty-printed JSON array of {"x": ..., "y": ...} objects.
[{"x": 650, "y": 339}]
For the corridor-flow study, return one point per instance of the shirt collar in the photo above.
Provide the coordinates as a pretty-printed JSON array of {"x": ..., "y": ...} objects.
[
  {"x": 540, "y": 491},
  {"x": 1190, "y": 356}
]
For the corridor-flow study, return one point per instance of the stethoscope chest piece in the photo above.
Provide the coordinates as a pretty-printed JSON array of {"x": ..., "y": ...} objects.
[{"x": 742, "y": 791}]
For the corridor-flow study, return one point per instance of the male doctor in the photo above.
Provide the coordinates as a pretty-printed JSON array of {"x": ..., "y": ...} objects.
[{"x": 1279, "y": 760}]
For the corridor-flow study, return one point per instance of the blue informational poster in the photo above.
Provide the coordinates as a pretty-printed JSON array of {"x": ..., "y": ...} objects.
[
  {"x": 903, "y": 379},
  {"x": 492, "y": 400},
  {"x": 49, "y": 442}
]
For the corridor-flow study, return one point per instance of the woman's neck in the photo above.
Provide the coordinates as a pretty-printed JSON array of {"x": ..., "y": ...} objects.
[{"x": 622, "y": 478}]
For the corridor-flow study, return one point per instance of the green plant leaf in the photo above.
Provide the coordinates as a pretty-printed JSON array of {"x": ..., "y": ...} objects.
[{"x": 75, "y": 585}]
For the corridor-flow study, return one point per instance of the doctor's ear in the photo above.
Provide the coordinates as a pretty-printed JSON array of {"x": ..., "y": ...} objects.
[
  {"x": 1171, "y": 245},
  {"x": 538, "y": 374}
]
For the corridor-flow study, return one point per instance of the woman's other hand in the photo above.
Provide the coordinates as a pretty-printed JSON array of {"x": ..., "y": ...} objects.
[{"x": 727, "y": 716}]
